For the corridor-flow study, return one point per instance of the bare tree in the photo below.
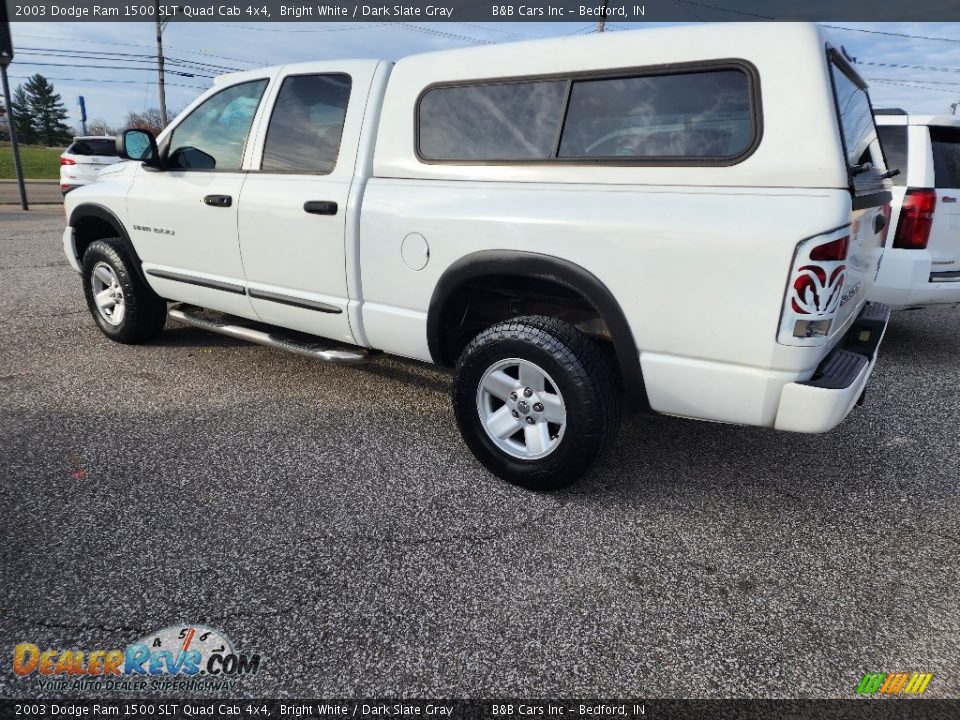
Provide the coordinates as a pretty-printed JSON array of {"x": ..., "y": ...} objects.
[
  {"x": 150, "y": 120},
  {"x": 100, "y": 127}
]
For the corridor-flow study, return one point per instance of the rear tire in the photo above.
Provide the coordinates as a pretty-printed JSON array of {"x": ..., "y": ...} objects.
[
  {"x": 535, "y": 402},
  {"x": 125, "y": 308}
]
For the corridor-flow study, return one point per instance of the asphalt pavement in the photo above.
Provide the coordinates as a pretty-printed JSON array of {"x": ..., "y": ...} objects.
[{"x": 330, "y": 519}]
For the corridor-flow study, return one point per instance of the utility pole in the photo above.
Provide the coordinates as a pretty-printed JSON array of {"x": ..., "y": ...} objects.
[
  {"x": 602, "y": 22},
  {"x": 163, "y": 90}
]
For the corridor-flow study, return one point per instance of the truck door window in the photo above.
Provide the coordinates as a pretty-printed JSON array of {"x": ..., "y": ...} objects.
[
  {"x": 213, "y": 136},
  {"x": 306, "y": 125},
  {"x": 688, "y": 115},
  {"x": 492, "y": 121}
]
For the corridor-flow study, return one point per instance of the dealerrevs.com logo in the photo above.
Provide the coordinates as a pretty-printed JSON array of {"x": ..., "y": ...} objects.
[{"x": 180, "y": 657}]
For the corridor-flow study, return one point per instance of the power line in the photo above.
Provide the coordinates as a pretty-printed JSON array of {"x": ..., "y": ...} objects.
[
  {"x": 126, "y": 57},
  {"x": 928, "y": 82},
  {"x": 498, "y": 30},
  {"x": 723, "y": 9},
  {"x": 142, "y": 45},
  {"x": 116, "y": 67},
  {"x": 910, "y": 67},
  {"x": 915, "y": 87},
  {"x": 894, "y": 34},
  {"x": 441, "y": 33},
  {"x": 88, "y": 80}
]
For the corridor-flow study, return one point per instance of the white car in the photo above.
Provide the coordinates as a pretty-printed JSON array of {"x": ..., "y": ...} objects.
[
  {"x": 83, "y": 160},
  {"x": 566, "y": 222},
  {"x": 921, "y": 263}
]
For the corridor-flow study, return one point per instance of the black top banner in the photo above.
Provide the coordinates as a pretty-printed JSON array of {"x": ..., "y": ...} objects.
[{"x": 612, "y": 11}]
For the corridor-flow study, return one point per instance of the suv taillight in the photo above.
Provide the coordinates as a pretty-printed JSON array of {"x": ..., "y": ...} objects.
[
  {"x": 816, "y": 285},
  {"x": 916, "y": 219},
  {"x": 67, "y": 161}
]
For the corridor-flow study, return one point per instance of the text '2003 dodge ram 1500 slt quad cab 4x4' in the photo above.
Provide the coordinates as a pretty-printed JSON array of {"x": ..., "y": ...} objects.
[{"x": 687, "y": 219}]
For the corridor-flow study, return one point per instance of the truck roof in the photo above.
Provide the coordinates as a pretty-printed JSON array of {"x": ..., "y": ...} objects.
[{"x": 697, "y": 41}]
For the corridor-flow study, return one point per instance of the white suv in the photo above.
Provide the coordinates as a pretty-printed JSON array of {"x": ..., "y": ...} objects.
[
  {"x": 82, "y": 161},
  {"x": 921, "y": 264}
]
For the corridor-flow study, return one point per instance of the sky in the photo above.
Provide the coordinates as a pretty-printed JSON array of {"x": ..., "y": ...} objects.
[{"x": 929, "y": 85}]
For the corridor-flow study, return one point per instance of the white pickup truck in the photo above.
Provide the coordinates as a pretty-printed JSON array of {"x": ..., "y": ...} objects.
[{"x": 688, "y": 219}]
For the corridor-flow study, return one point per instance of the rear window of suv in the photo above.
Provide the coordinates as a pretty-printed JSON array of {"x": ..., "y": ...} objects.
[
  {"x": 946, "y": 156},
  {"x": 101, "y": 146}
]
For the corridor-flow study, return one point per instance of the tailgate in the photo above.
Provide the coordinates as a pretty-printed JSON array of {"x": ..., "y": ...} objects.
[
  {"x": 868, "y": 232},
  {"x": 944, "y": 242}
]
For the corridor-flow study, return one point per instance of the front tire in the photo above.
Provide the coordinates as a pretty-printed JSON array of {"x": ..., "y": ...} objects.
[
  {"x": 535, "y": 402},
  {"x": 124, "y": 307}
]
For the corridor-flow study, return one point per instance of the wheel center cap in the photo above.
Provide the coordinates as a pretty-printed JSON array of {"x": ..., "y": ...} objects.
[{"x": 523, "y": 407}]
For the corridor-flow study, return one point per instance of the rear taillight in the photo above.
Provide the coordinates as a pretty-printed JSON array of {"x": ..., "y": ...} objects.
[
  {"x": 834, "y": 250},
  {"x": 817, "y": 278},
  {"x": 67, "y": 161},
  {"x": 916, "y": 218}
]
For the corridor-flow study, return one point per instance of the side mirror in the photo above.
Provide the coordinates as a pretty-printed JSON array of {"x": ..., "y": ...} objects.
[{"x": 138, "y": 145}]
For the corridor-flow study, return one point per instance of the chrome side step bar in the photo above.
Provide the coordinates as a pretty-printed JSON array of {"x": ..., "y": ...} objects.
[{"x": 263, "y": 334}]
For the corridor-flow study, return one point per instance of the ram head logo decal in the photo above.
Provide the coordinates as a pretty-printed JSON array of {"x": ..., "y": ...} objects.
[{"x": 817, "y": 289}]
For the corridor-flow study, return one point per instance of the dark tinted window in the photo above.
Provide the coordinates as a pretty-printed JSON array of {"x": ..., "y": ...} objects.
[
  {"x": 946, "y": 156},
  {"x": 497, "y": 121},
  {"x": 691, "y": 115},
  {"x": 893, "y": 138},
  {"x": 213, "y": 136},
  {"x": 307, "y": 121},
  {"x": 856, "y": 119},
  {"x": 93, "y": 147}
]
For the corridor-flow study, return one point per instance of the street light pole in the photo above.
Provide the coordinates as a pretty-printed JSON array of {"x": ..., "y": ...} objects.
[
  {"x": 13, "y": 135},
  {"x": 160, "y": 85}
]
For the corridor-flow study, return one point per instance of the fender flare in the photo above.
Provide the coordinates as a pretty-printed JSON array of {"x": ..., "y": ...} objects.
[
  {"x": 101, "y": 212},
  {"x": 544, "y": 267}
]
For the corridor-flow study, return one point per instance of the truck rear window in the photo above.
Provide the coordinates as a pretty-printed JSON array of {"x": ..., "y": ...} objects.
[
  {"x": 856, "y": 120},
  {"x": 688, "y": 115},
  {"x": 946, "y": 156},
  {"x": 860, "y": 141}
]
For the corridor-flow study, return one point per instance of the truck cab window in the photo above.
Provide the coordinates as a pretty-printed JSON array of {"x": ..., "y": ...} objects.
[
  {"x": 307, "y": 122},
  {"x": 213, "y": 136}
]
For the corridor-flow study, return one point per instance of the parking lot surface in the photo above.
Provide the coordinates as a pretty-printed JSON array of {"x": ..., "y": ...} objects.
[{"x": 330, "y": 519}]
